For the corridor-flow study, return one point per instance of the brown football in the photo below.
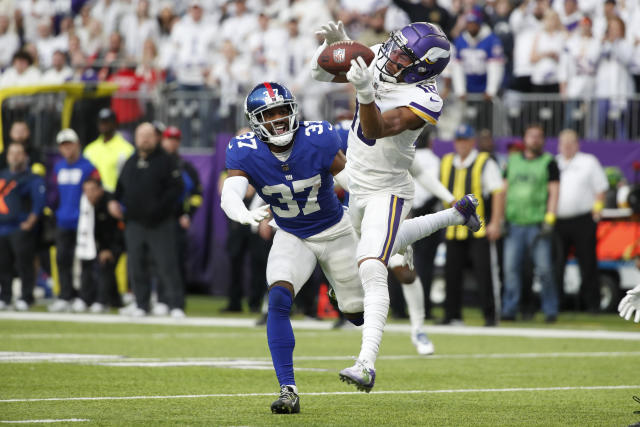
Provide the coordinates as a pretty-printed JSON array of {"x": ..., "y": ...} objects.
[{"x": 336, "y": 58}]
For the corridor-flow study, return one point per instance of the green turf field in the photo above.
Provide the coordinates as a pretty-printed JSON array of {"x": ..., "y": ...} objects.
[{"x": 142, "y": 374}]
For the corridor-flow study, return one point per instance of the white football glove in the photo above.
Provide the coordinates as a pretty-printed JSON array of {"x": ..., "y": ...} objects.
[
  {"x": 361, "y": 78},
  {"x": 333, "y": 32},
  {"x": 255, "y": 216},
  {"x": 629, "y": 304}
]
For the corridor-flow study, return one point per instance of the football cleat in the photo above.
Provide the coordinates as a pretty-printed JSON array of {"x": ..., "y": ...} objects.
[
  {"x": 423, "y": 344},
  {"x": 467, "y": 208},
  {"x": 360, "y": 376},
  {"x": 287, "y": 403}
]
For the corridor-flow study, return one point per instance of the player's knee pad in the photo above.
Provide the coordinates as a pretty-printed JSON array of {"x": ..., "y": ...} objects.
[
  {"x": 373, "y": 272},
  {"x": 280, "y": 300}
]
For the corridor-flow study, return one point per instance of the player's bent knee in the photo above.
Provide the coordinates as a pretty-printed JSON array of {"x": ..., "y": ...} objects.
[
  {"x": 355, "y": 318},
  {"x": 360, "y": 261},
  {"x": 373, "y": 272}
]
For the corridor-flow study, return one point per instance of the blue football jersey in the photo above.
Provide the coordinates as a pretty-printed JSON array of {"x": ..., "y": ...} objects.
[
  {"x": 299, "y": 189},
  {"x": 343, "y": 131},
  {"x": 474, "y": 56}
]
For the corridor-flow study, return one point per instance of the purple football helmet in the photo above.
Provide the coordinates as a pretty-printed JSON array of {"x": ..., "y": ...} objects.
[{"x": 421, "y": 45}]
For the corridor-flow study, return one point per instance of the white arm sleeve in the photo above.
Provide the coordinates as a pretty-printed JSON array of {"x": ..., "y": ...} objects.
[
  {"x": 431, "y": 183},
  {"x": 342, "y": 179},
  {"x": 495, "y": 73},
  {"x": 317, "y": 72},
  {"x": 233, "y": 192},
  {"x": 458, "y": 79}
]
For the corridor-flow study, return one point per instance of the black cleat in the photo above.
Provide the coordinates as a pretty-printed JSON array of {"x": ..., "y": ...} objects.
[{"x": 287, "y": 403}]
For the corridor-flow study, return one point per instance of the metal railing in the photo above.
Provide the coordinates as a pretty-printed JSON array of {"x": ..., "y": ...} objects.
[{"x": 203, "y": 114}]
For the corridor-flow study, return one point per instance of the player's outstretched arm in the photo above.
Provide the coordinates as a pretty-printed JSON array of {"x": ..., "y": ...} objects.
[
  {"x": 375, "y": 124},
  {"x": 332, "y": 32},
  {"x": 231, "y": 200},
  {"x": 338, "y": 172},
  {"x": 629, "y": 304}
]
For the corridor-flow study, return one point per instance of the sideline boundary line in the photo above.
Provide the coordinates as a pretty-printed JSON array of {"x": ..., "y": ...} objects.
[{"x": 319, "y": 325}]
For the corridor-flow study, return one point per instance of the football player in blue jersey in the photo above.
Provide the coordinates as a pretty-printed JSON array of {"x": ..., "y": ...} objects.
[{"x": 292, "y": 166}]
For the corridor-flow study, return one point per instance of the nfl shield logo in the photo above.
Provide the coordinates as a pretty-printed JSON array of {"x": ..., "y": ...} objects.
[{"x": 339, "y": 55}]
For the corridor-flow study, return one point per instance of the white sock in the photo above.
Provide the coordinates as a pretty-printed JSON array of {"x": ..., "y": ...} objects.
[
  {"x": 420, "y": 227},
  {"x": 414, "y": 296},
  {"x": 373, "y": 274}
]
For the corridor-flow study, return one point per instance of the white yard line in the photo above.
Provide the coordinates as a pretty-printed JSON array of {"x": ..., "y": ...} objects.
[
  {"x": 68, "y": 420},
  {"x": 317, "y": 325},
  {"x": 331, "y": 393},
  {"x": 118, "y": 360}
]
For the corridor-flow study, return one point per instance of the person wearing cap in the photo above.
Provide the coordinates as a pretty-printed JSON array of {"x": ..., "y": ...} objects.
[
  {"x": 469, "y": 171},
  {"x": 110, "y": 150},
  {"x": 69, "y": 174},
  {"x": 22, "y": 199},
  {"x": 478, "y": 65},
  {"x": 191, "y": 197},
  {"x": 532, "y": 186}
]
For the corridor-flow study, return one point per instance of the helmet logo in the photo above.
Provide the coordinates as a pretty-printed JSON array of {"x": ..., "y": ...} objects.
[
  {"x": 402, "y": 40},
  {"x": 272, "y": 96},
  {"x": 435, "y": 53},
  {"x": 339, "y": 55}
]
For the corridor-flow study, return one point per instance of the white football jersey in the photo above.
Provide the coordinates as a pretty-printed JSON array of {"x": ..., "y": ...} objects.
[{"x": 382, "y": 166}]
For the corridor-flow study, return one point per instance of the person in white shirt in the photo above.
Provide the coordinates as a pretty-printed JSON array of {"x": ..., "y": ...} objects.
[
  {"x": 59, "y": 72},
  {"x": 582, "y": 191},
  {"x": 265, "y": 45},
  {"x": 21, "y": 73},
  {"x": 47, "y": 43},
  {"x": 545, "y": 54},
  {"x": 577, "y": 73},
  {"x": 137, "y": 27},
  {"x": 9, "y": 42},
  {"x": 238, "y": 27},
  {"x": 615, "y": 84}
]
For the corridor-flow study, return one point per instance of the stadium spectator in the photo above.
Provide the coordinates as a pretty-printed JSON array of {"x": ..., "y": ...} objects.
[
  {"x": 31, "y": 13},
  {"x": 532, "y": 198},
  {"x": 111, "y": 56},
  {"x": 20, "y": 132},
  {"x": 91, "y": 38},
  {"x": 576, "y": 75},
  {"x": 21, "y": 73},
  {"x": 548, "y": 43},
  {"x": 59, "y": 72},
  {"x": 485, "y": 182},
  {"x": 429, "y": 11},
  {"x": 110, "y": 150},
  {"x": 190, "y": 58},
  {"x": 70, "y": 173},
  {"x": 264, "y": 44},
  {"x": 21, "y": 202},
  {"x": 569, "y": 14},
  {"x": 191, "y": 197},
  {"x": 375, "y": 31},
  {"x": 9, "y": 41},
  {"x": 138, "y": 26},
  {"x": 479, "y": 66},
  {"x": 582, "y": 192},
  {"x": 525, "y": 20},
  {"x": 101, "y": 241},
  {"x": 109, "y": 12},
  {"x": 147, "y": 192},
  {"x": 229, "y": 75},
  {"x": 47, "y": 43},
  {"x": 239, "y": 26},
  {"x": 498, "y": 19},
  {"x": 615, "y": 84}
]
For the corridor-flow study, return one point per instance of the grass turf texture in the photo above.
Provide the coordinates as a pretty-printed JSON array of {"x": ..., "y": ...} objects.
[{"x": 460, "y": 365}]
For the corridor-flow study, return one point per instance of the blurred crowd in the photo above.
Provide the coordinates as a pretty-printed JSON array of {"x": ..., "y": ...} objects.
[{"x": 576, "y": 49}]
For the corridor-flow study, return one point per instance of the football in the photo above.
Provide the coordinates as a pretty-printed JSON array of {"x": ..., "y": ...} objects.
[{"x": 336, "y": 58}]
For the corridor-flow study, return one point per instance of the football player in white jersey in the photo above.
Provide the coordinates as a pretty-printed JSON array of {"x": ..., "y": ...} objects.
[{"x": 396, "y": 97}]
